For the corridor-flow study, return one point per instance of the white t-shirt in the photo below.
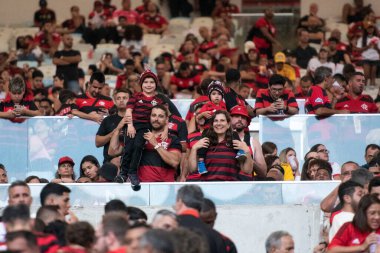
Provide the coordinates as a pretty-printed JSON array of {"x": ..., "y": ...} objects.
[
  {"x": 338, "y": 221},
  {"x": 369, "y": 54},
  {"x": 314, "y": 63}
]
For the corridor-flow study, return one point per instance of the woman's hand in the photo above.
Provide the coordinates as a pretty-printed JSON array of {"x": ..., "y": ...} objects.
[
  {"x": 371, "y": 239},
  {"x": 202, "y": 143},
  {"x": 240, "y": 145}
]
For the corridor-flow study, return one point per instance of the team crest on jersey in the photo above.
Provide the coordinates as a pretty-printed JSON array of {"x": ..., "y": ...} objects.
[
  {"x": 170, "y": 125},
  {"x": 140, "y": 101},
  {"x": 102, "y": 103},
  {"x": 356, "y": 241},
  {"x": 154, "y": 102},
  {"x": 164, "y": 145},
  {"x": 365, "y": 107},
  {"x": 318, "y": 100}
]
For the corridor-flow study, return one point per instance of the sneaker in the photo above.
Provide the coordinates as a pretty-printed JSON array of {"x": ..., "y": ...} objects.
[
  {"x": 135, "y": 182},
  {"x": 120, "y": 179},
  {"x": 202, "y": 167},
  {"x": 241, "y": 156}
]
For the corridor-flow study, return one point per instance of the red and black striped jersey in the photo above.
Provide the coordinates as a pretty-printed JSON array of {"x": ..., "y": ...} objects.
[
  {"x": 89, "y": 104},
  {"x": 233, "y": 99},
  {"x": 142, "y": 106},
  {"x": 193, "y": 138},
  {"x": 264, "y": 99},
  {"x": 177, "y": 127},
  {"x": 198, "y": 101},
  {"x": 362, "y": 104},
  {"x": 8, "y": 105},
  {"x": 47, "y": 243},
  {"x": 221, "y": 163},
  {"x": 152, "y": 167},
  {"x": 316, "y": 98},
  {"x": 66, "y": 109}
]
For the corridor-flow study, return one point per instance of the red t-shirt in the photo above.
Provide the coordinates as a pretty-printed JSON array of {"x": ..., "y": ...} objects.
[
  {"x": 154, "y": 22},
  {"x": 263, "y": 99},
  {"x": 362, "y": 104},
  {"x": 349, "y": 235},
  {"x": 152, "y": 167},
  {"x": 211, "y": 107},
  {"x": 199, "y": 100},
  {"x": 316, "y": 98},
  {"x": 183, "y": 83},
  {"x": 260, "y": 41},
  {"x": 42, "y": 41},
  {"x": 132, "y": 17}
]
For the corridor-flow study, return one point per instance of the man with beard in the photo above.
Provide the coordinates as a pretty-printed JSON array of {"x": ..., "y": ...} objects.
[
  {"x": 239, "y": 122},
  {"x": 349, "y": 194},
  {"x": 355, "y": 101},
  {"x": 160, "y": 158},
  {"x": 92, "y": 100}
]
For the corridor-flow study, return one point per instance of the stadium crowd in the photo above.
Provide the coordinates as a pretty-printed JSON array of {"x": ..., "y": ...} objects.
[{"x": 145, "y": 139}]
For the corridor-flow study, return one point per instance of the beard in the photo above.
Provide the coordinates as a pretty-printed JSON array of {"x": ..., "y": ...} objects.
[{"x": 157, "y": 127}]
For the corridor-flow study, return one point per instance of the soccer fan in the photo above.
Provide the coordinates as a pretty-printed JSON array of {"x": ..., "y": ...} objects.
[
  {"x": 22, "y": 241},
  {"x": 184, "y": 81},
  {"x": 19, "y": 193},
  {"x": 275, "y": 99},
  {"x": 279, "y": 241},
  {"x": 304, "y": 52},
  {"x": 65, "y": 172},
  {"x": 349, "y": 194},
  {"x": 48, "y": 39},
  {"x": 89, "y": 167},
  {"x": 46, "y": 107},
  {"x": 131, "y": 16},
  {"x": 44, "y": 15},
  {"x": 317, "y": 101},
  {"x": 355, "y": 101},
  {"x": 110, "y": 123},
  {"x": 152, "y": 21},
  {"x": 92, "y": 100},
  {"x": 370, "y": 151},
  {"x": 306, "y": 83},
  {"x": 134, "y": 234},
  {"x": 188, "y": 206},
  {"x": 80, "y": 237},
  {"x": 67, "y": 61},
  {"x": 313, "y": 24},
  {"x": 56, "y": 194},
  {"x": 3, "y": 175},
  {"x": 16, "y": 105},
  {"x": 283, "y": 68},
  {"x": 165, "y": 219}
]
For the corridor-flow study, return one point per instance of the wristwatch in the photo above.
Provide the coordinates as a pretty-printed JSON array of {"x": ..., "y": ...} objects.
[{"x": 157, "y": 146}]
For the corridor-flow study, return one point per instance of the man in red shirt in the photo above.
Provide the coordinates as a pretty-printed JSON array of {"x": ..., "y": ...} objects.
[
  {"x": 317, "y": 101},
  {"x": 185, "y": 80},
  {"x": 152, "y": 22},
  {"x": 131, "y": 16},
  {"x": 47, "y": 39},
  {"x": 355, "y": 101},
  {"x": 306, "y": 83},
  {"x": 225, "y": 7},
  {"x": 276, "y": 99}
]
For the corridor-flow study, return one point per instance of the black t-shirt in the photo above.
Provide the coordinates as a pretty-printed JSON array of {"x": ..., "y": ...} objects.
[
  {"x": 69, "y": 71},
  {"x": 106, "y": 127},
  {"x": 338, "y": 57},
  {"x": 303, "y": 56}
]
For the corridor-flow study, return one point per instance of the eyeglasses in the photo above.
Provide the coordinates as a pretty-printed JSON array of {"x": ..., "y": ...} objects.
[{"x": 323, "y": 151}]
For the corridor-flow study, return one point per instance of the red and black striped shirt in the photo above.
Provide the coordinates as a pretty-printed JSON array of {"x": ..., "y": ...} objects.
[
  {"x": 316, "y": 98},
  {"x": 200, "y": 100},
  {"x": 221, "y": 163},
  {"x": 212, "y": 108},
  {"x": 152, "y": 167},
  {"x": 177, "y": 127},
  {"x": 193, "y": 138},
  {"x": 8, "y": 105},
  {"x": 142, "y": 106},
  {"x": 89, "y": 104},
  {"x": 362, "y": 104},
  {"x": 264, "y": 99}
]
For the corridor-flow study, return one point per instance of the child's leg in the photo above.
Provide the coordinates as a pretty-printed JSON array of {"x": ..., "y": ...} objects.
[
  {"x": 137, "y": 150},
  {"x": 127, "y": 155}
]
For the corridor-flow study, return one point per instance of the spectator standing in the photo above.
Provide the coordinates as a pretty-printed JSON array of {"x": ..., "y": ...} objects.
[
  {"x": 44, "y": 15},
  {"x": 313, "y": 24},
  {"x": 275, "y": 99},
  {"x": 317, "y": 101},
  {"x": 355, "y": 101},
  {"x": 67, "y": 61},
  {"x": 264, "y": 33},
  {"x": 188, "y": 206},
  {"x": 110, "y": 123}
]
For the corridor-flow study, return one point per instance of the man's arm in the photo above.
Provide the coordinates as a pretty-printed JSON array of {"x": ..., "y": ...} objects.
[
  {"x": 292, "y": 110},
  {"x": 328, "y": 203},
  {"x": 72, "y": 59},
  {"x": 100, "y": 140},
  {"x": 324, "y": 111},
  {"x": 172, "y": 158}
]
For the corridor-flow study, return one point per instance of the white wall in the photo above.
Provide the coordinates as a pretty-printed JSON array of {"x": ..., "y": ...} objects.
[{"x": 333, "y": 8}]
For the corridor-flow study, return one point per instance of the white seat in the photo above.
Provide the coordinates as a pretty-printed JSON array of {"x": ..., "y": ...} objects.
[
  {"x": 150, "y": 40},
  {"x": 202, "y": 21},
  {"x": 48, "y": 70},
  {"x": 83, "y": 47},
  {"x": 159, "y": 49},
  {"x": 105, "y": 48},
  {"x": 111, "y": 80},
  {"x": 22, "y": 31}
]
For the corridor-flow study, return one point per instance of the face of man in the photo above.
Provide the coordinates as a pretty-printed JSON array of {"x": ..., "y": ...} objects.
[
  {"x": 239, "y": 122},
  {"x": 209, "y": 217},
  {"x": 305, "y": 86},
  {"x": 158, "y": 119},
  {"x": 121, "y": 99},
  {"x": 356, "y": 197},
  {"x": 20, "y": 245},
  {"x": 165, "y": 222},
  {"x": 276, "y": 91},
  {"x": 19, "y": 195},
  {"x": 287, "y": 245},
  {"x": 346, "y": 171},
  {"x": 100, "y": 245},
  {"x": 67, "y": 41},
  {"x": 3, "y": 177},
  {"x": 357, "y": 84},
  {"x": 45, "y": 108},
  {"x": 63, "y": 202},
  {"x": 133, "y": 237},
  {"x": 304, "y": 37},
  {"x": 370, "y": 154},
  {"x": 375, "y": 170},
  {"x": 244, "y": 92},
  {"x": 95, "y": 88},
  {"x": 322, "y": 174}
]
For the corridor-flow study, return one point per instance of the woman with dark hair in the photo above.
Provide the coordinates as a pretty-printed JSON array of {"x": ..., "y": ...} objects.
[
  {"x": 363, "y": 231},
  {"x": 269, "y": 148},
  {"x": 89, "y": 167},
  {"x": 32, "y": 180},
  {"x": 222, "y": 149},
  {"x": 306, "y": 175}
]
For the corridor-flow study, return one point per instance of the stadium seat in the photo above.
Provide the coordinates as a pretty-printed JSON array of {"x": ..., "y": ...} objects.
[
  {"x": 105, "y": 48},
  {"x": 159, "y": 49},
  {"x": 49, "y": 72},
  {"x": 202, "y": 21},
  {"x": 178, "y": 25},
  {"x": 83, "y": 47},
  {"x": 151, "y": 40},
  {"x": 111, "y": 80},
  {"x": 22, "y": 31}
]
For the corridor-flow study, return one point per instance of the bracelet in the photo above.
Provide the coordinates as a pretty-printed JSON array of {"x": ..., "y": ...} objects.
[{"x": 157, "y": 146}]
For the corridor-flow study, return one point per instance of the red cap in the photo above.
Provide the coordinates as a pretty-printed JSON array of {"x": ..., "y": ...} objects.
[
  {"x": 148, "y": 73},
  {"x": 98, "y": 3},
  {"x": 240, "y": 110},
  {"x": 66, "y": 159}
]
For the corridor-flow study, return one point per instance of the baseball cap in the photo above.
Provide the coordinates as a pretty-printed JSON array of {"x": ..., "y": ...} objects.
[
  {"x": 66, "y": 159},
  {"x": 98, "y": 3},
  {"x": 248, "y": 46},
  {"x": 240, "y": 110},
  {"x": 108, "y": 171},
  {"x": 279, "y": 57}
]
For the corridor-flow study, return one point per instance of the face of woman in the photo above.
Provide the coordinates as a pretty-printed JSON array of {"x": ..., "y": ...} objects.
[
  {"x": 65, "y": 169},
  {"x": 312, "y": 171},
  {"x": 220, "y": 124},
  {"x": 90, "y": 170},
  {"x": 373, "y": 216}
]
